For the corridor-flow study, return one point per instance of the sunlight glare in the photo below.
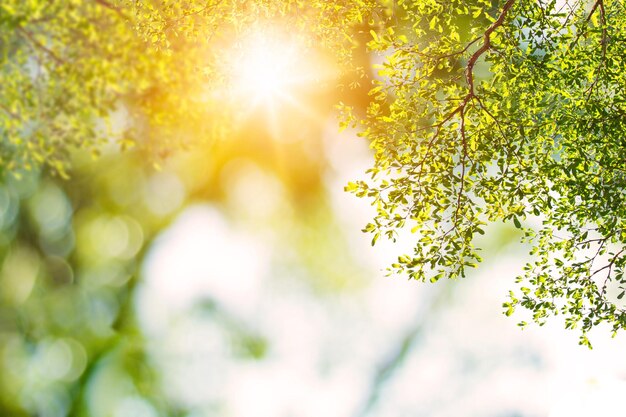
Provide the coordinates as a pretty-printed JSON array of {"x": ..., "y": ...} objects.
[{"x": 267, "y": 68}]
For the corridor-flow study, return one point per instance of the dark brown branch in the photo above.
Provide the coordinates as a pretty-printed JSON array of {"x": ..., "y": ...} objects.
[
  {"x": 596, "y": 5},
  {"x": 469, "y": 70},
  {"x": 608, "y": 266},
  {"x": 599, "y": 5},
  {"x": 463, "y": 158},
  {"x": 461, "y": 108}
]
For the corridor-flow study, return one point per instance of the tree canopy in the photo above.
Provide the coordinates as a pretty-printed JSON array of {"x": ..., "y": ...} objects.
[
  {"x": 507, "y": 111},
  {"x": 481, "y": 111}
]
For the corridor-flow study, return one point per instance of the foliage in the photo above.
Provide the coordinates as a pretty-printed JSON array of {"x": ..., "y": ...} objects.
[
  {"x": 72, "y": 266},
  {"x": 70, "y": 252},
  {"x": 483, "y": 111},
  {"x": 506, "y": 111},
  {"x": 97, "y": 75},
  {"x": 68, "y": 68}
]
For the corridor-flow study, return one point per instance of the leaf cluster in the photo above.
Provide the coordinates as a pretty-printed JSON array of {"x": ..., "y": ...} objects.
[{"x": 509, "y": 111}]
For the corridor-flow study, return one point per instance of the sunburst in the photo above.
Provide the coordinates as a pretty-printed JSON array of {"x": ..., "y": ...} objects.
[{"x": 269, "y": 67}]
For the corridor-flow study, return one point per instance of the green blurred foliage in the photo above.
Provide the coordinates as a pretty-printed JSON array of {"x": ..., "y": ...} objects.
[
  {"x": 71, "y": 253},
  {"x": 81, "y": 80}
]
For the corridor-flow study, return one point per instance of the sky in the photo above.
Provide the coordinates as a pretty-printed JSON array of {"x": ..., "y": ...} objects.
[{"x": 391, "y": 347}]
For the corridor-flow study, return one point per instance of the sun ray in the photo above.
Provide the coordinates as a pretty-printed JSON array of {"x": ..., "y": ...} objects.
[
  {"x": 264, "y": 67},
  {"x": 268, "y": 70}
]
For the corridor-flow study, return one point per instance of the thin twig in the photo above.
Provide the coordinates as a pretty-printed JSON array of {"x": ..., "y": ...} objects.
[{"x": 603, "y": 42}]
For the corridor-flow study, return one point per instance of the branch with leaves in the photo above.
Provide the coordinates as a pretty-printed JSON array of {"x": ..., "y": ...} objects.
[{"x": 506, "y": 111}]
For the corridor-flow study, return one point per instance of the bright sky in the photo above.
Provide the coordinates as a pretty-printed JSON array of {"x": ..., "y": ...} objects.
[{"x": 467, "y": 359}]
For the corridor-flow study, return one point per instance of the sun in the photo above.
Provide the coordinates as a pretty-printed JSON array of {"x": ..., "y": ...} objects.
[
  {"x": 267, "y": 68},
  {"x": 275, "y": 78}
]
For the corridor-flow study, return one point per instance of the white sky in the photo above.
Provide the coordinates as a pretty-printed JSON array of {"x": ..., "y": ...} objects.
[{"x": 467, "y": 358}]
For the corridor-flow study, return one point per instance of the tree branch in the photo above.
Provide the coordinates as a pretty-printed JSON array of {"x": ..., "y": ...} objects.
[
  {"x": 469, "y": 70},
  {"x": 599, "y": 5},
  {"x": 463, "y": 158}
]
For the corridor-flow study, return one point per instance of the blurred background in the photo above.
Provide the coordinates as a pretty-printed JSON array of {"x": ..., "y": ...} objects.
[{"x": 234, "y": 280}]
